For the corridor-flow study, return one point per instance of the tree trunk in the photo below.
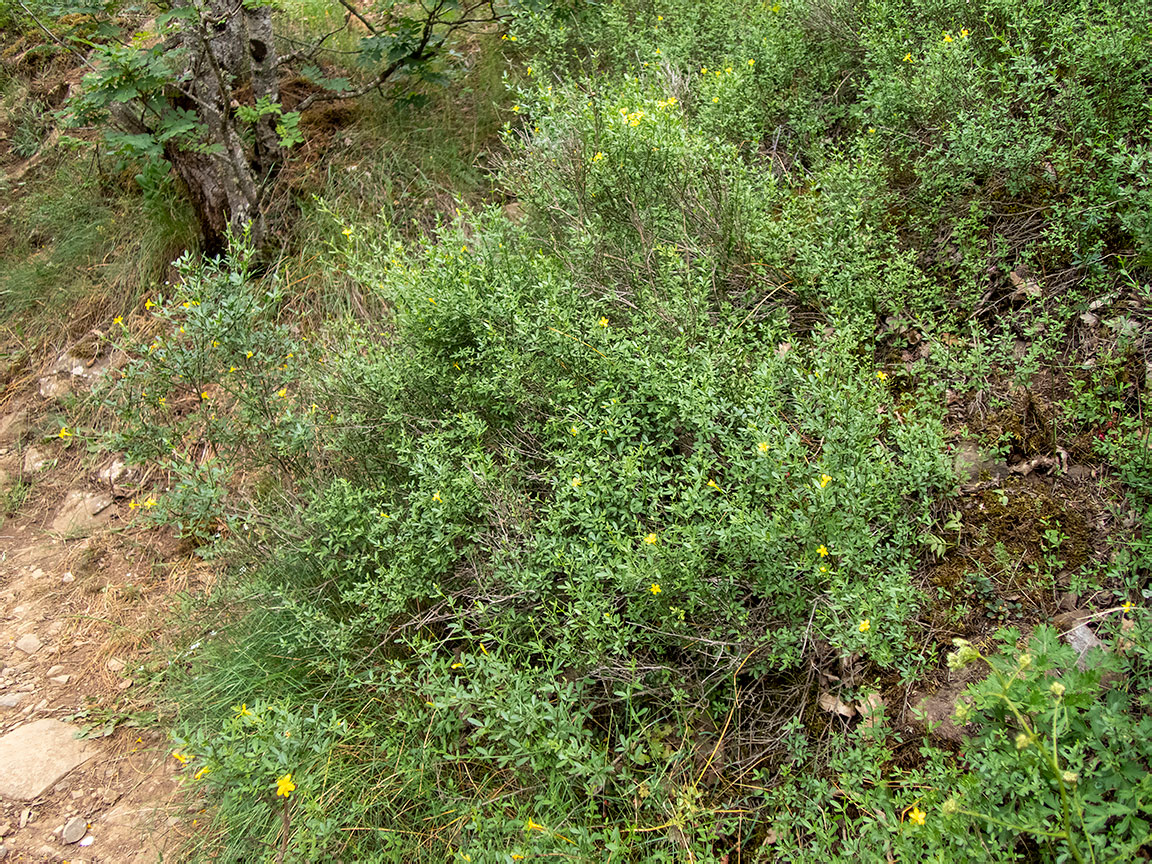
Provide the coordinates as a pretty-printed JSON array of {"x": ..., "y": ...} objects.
[
  {"x": 265, "y": 73},
  {"x": 220, "y": 177}
]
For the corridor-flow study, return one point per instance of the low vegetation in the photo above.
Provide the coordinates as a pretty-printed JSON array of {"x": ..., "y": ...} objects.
[{"x": 691, "y": 434}]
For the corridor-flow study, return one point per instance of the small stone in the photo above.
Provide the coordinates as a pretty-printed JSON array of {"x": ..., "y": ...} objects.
[
  {"x": 29, "y": 643},
  {"x": 5, "y": 829},
  {"x": 81, "y": 511},
  {"x": 55, "y": 670},
  {"x": 11, "y": 700},
  {"x": 125, "y": 684},
  {"x": 114, "y": 665},
  {"x": 25, "y": 817},
  {"x": 35, "y": 460},
  {"x": 67, "y": 577},
  {"x": 74, "y": 830},
  {"x": 37, "y": 573},
  {"x": 61, "y": 679},
  {"x": 77, "y": 794}
]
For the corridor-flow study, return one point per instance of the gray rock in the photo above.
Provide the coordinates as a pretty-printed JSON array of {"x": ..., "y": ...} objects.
[
  {"x": 35, "y": 460},
  {"x": 11, "y": 700},
  {"x": 35, "y": 757},
  {"x": 61, "y": 679},
  {"x": 74, "y": 829},
  {"x": 55, "y": 670},
  {"x": 54, "y": 386},
  {"x": 81, "y": 512},
  {"x": 114, "y": 472},
  {"x": 29, "y": 643}
]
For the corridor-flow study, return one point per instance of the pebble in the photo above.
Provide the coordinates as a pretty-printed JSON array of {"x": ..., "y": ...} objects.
[
  {"x": 25, "y": 817},
  {"x": 114, "y": 665},
  {"x": 55, "y": 670},
  {"x": 61, "y": 679},
  {"x": 125, "y": 684},
  {"x": 74, "y": 829},
  {"x": 29, "y": 643},
  {"x": 67, "y": 577},
  {"x": 11, "y": 700}
]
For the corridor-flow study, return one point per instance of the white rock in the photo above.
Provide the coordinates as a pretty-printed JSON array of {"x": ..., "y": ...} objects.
[{"x": 29, "y": 643}]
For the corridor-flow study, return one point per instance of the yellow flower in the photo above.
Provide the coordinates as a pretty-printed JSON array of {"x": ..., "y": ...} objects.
[
  {"x": 916, "y": 817},
  {"x": 1127, "y": 606},
  {"x": 715, "y": 98},
  {"x": 598, "y": 156},
  {"x": 64, "y": 433},
  {"x": 182, "y": 758},
  {"x": 517, "y": 857},
  {"x": 824, "y": 480},
  {"x": 533, "y": 826},
  {"x": 882, "y": 375},
  {"x": 118, "y": 320},
  {"x": 233, "y": 368},
  {"x": 347, "y": 232},
  {"x": 203, "y": 394},
  {"x": 729, "y": 70},
  {"x": 148, "y": 304},
  {"x": 823, "y": 569},
  {"x": 703, "y": 70},
  {"x": 186, "y": 305},
  {"x": 963, "y": 32},
  {"x": 908, "y": 57},
  {"x": 249, "y": 355},
  {"x": 516, "y": 109},
  {"x": 655, "y": 589},
  {"x": 871, "y": 130},
  {"x": 713, "y": 484},
  {"x": 651, "y": 539},
  {"x": 161, "y": 401},
  {"x": 202, "y": 772},
  {"x": 282, "y": 392},
  {"x": 574, "y": 431},
  {"x": 384, "y": 515},
  {"x": 436, "y": 497},
  {"x": 149, "y": 503},
  {"x": 864, "y": 626},
  {"x": 132, "y": 505},
  {"x": 762, "y": 447},
  {"x": 947, "y": 38},
  {"x": 822, "y": 551},
  {"x": 751, "y": 62},
  {"x": 242, "y": 711},
  {"x": 603, "y": 322},
  {"x": 284, "y": 786},
  {"x": 457, "y": 665},
  {"x": 576, "y": 481}
]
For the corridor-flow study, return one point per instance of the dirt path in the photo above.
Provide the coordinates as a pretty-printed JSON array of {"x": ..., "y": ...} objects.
[{"x": 84, "y": 598}]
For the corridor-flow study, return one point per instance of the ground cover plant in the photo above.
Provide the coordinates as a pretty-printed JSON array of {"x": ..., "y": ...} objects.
[{"x": 720, "y": 480}]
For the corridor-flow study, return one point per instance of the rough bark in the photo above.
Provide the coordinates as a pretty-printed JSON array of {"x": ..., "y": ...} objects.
[
  {"x": 264, "y": 70},
  {"x": 220, "y": 177}
]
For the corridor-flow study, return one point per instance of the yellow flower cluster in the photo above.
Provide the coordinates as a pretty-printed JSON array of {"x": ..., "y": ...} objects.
[
  {"x": 285, "y": 786},
  {"x": 666, "y": 103}
]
